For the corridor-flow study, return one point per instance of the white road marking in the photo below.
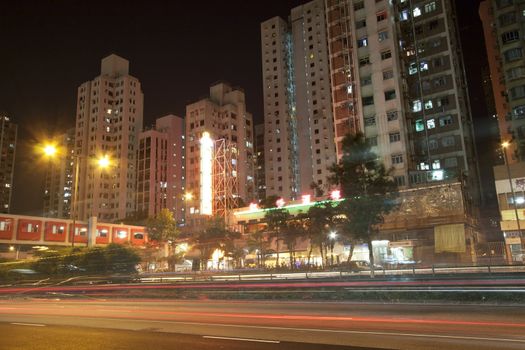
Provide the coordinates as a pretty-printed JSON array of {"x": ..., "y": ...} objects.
[
  {"x": 28, "y": 324},
  {"x": 340, "y": 331},
  {"x": 242, "y": 339}
]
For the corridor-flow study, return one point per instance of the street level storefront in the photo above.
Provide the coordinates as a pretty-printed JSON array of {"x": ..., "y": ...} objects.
[
  {"x": 510, "y": 189},
  {"x": 433, "y": 224}
]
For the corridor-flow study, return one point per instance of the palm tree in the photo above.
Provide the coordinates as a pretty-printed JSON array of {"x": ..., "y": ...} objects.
[
  {"x": 258, "y": 242},
  {"x": 292, "y": 231},
  {"x": 276, "y": 220},
  {"x": 322, "y": 219}
]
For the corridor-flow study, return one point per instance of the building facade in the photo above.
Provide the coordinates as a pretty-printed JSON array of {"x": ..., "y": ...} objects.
[
  {"x": 503, "y": 27},
  {"x": 391, "y": 70},
  {"x": 8, "y": 137},
  {"x": 108, "y": 122},
  {"x": 367, "y": 93},
  {"x": 223, "y": 118},
  {"x": 161, "y": 163},
  {"x": 59, "y": 178},
  {"x": 510, "y": 189},
  {"x": 260, "y": 173},
  {"x": 298, "y": 120},
  {"x": 439, "y": 122}
]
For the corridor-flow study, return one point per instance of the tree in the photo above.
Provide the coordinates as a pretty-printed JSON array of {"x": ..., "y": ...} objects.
[
  {"x": 276, "y": 219},
  {"x": 163, "y": 229},
  {"x": 258, "y": 242},
  {"x": 269, "y": 202},
  {"x": 119, "y": 258},
  {"x": 318, "y": 191},
  {"x": 368, "y": 188},
  {"x": 322, "y": 218},
  {"x": 215, "y": 235},
  {"x": 291, "y": 232}
]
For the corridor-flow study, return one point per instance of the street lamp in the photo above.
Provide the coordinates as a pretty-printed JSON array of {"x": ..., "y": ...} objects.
[
  {"x": 504, "y": 146},
  {"x": 50, "y": 151}
]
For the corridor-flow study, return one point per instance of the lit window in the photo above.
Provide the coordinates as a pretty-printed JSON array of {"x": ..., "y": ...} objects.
[
  {"x": 403, "y": 16},
  {"x": 437, "y": 175},
  {"x": 436, "y": 164},
  {"x": 423, "y": 66},
  {"x": 363, "y": 42},
  {"x": 416, "y": 12},
  {"x": 431, "y": 124},
  {"x": 416, "y": 106},
  {"x": 412, "y": 68},
  {"x": 428, "y": 104}
]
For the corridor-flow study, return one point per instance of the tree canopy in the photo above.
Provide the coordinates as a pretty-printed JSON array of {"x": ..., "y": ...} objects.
[
  {"x": 368, "y": 188},
  {"x": 162, "y": 227}
]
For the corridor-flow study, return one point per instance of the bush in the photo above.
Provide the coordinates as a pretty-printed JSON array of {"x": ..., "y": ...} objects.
[{"x": 114, "y": 258}]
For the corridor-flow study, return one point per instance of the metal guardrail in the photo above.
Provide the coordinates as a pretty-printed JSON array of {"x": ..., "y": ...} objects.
[{"x": 247, "y": 276}]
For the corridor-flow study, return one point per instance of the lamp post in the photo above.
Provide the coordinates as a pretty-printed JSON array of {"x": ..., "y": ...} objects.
[
  {"x": 50, "y": 151},
  {"x": 504, "y": 147}
]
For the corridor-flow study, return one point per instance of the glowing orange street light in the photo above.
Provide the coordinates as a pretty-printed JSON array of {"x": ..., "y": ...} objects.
[{"x": 50, "y": 150}]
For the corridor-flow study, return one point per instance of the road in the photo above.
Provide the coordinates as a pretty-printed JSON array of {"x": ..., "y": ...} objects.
[
  {"x": 82, "y": 338},
  {"x": 391, "y": 326}
]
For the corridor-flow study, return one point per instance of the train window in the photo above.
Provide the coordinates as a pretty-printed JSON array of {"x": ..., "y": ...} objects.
[
  {"x": 30, "y": 227},
  {"x": 57, "y": 229},
  {"x": 5, "y": 225},
  {"x": 102, "y": 233}
]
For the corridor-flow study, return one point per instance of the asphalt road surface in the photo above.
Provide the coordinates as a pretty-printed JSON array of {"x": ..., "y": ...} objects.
[
  {"x": 156, "y": 324},
  {"x": 27, "y": 336}
]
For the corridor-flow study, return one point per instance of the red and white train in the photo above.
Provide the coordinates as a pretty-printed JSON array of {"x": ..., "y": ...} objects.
[{"x": 20, "y": 229}]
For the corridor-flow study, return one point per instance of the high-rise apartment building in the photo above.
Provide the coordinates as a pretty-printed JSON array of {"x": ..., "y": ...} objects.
[
  {"x": 367, "y": 92},
  {"x": 222, "y": 116},
  {"x": 108, "y": 122},
  {"x": 59, "y": 178},
  {"x": 8, "y": 135},
  {"x": 438, "y": 118},
  {"x": 391, "y": 70},
  {"x": 260, "y": 177},
  {"x": 160, "y": 177},
  {"x": 504, "y": 28},
  {"x": 298, "y": 120}
]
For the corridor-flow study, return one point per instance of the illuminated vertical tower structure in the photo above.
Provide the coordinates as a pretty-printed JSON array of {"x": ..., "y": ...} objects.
[
  {"x": 299, "y": 136},
  {"x": 108, "y": 121},
  {"x": 228, "y": 129},
  {"x": 160, "y": 169},
  {"x": 8, "y": 137},
  {"x": 59, "y": 178}
]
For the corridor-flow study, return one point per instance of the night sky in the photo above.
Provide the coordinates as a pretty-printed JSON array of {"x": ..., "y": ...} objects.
[{"x": 175, "y": 48}]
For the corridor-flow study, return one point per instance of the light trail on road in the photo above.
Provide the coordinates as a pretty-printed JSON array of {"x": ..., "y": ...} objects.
[{"x": 333, "y": 323}]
